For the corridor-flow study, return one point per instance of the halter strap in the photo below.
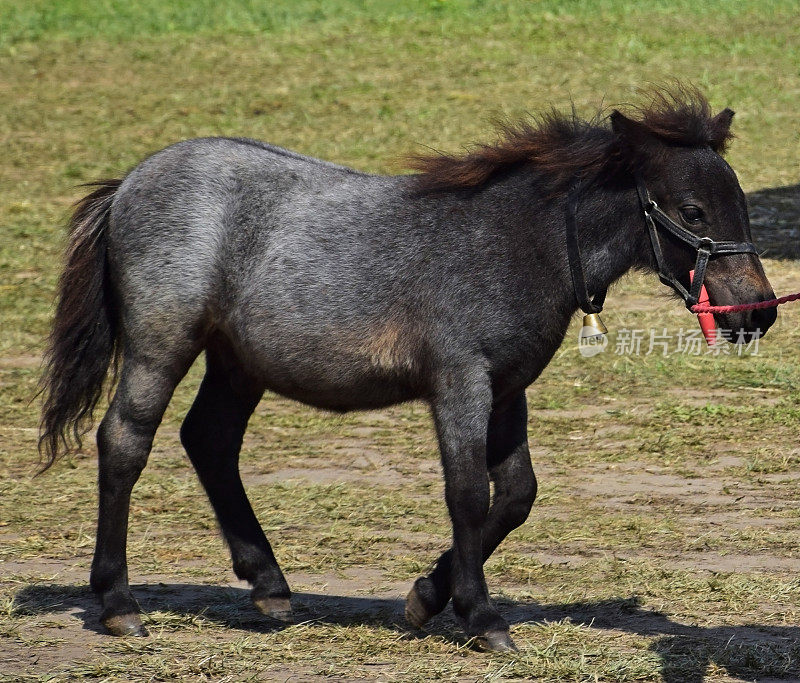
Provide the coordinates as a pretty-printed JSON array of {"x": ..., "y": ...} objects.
[
  {"x": 655, "y": 218},
  {"x": 588, "y": 305}
]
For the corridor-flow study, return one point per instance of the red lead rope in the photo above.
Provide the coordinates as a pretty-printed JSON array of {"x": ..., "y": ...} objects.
[
  {"x": 705, "y": 311},
  {"x": 738, "y": 308}
]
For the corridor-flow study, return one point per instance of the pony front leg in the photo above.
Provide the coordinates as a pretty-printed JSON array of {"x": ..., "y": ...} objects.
[
  {"x": 461, "y": 411},
  {"x": 509, "y": 463}
]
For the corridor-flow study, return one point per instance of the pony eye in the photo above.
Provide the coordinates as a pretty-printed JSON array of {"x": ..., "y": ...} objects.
[{"x": 691, "y": 213}]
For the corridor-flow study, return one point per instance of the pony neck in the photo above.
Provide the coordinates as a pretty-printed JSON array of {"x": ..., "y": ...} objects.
[{"x": 611, "y": 234}]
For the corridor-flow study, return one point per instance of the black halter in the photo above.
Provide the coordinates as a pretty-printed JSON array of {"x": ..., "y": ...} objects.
[
  {"x": 704, "y": 246},
  {"x": 654, "y": 218}
]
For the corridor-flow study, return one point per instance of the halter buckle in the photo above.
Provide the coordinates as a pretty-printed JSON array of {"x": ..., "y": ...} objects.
[{"x": 706, "y": 244}]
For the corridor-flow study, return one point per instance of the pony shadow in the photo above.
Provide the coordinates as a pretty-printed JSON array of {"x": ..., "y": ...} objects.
[
  {"x": 227, "y": 606},
  {"x": 775, "y": 221},
  {"x": 747, "y": 652}
]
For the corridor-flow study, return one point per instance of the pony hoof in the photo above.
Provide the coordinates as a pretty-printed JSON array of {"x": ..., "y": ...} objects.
[
  {"x": 496, "y": 641},
  {"x": 275, "y": 608},
  {"x": 125, "y": 625},
  {"x": 416, "y": 613}
]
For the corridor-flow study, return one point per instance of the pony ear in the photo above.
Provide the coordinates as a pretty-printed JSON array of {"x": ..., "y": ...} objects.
[
  {"x": 633, "y": 144},
  {"x": 720, "y": 130},
  {"x": 633, "y": 133}
]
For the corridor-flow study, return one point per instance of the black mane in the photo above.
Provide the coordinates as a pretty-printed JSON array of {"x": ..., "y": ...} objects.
[{"x": 562, "y": 146}]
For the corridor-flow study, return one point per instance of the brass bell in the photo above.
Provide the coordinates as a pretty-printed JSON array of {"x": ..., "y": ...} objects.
[{"x": 593, "y": 326}]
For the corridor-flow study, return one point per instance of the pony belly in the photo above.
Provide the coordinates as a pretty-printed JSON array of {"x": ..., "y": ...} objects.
[
  {"x": 334, "y": 378},
  {"x": 339, "y": 367},
  {"x": 342, "y": 394}
]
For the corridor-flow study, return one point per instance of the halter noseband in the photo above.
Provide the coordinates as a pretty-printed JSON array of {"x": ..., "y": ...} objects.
[{"x": 654, "y": 218}]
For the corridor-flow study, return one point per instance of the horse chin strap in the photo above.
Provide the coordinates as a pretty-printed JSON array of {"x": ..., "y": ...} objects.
[{"x": 655, "y": 218}]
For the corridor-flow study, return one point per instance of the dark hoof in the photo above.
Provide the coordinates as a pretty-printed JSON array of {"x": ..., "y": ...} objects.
[
  {"x": 417, "y": 614},
  {"x": 496, "y": 641},
  {"x": 275, "y": 608},
  {"x": 125, "y": 625}
]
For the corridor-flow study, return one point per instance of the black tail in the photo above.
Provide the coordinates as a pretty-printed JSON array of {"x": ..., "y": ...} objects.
[{"x": 83, "y": 341}]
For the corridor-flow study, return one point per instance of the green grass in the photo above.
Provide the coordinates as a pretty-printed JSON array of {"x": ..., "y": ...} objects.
[
  {"x": 664, "y": 542},
  {"x": 113, "y": 19}
]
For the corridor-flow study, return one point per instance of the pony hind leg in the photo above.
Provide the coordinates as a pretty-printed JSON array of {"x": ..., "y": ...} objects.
[
  {"x": 124, "y": 439},
  {"x": 212, "y": 435},
  {"x": 509, "y": 465}
]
